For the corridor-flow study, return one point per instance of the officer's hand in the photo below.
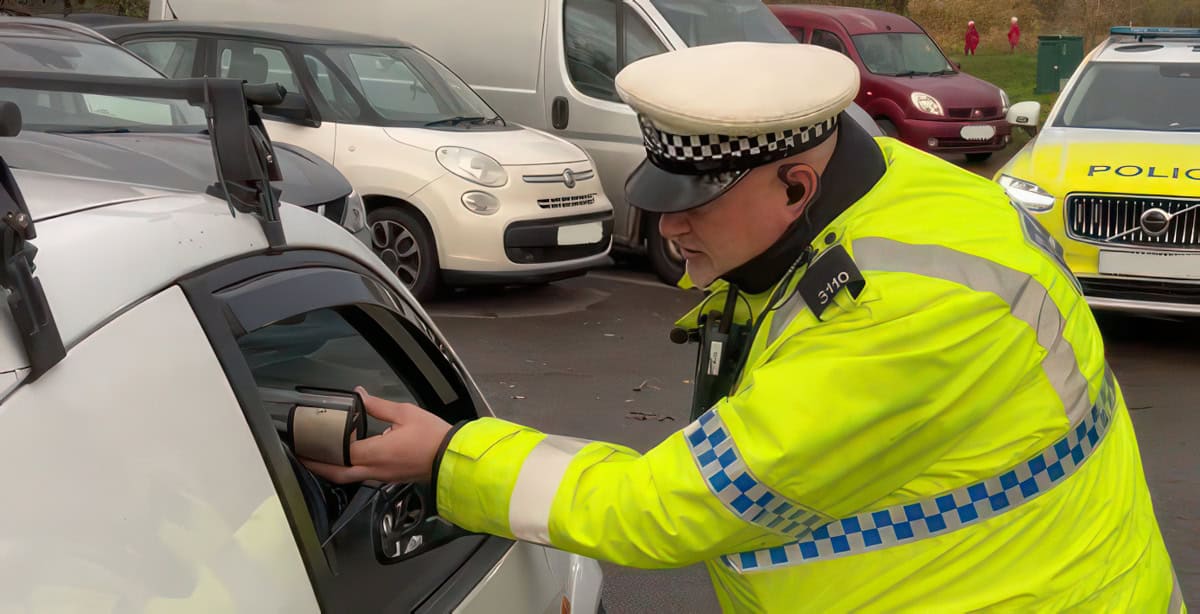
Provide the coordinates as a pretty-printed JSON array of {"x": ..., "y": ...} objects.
[{"x": 403, "y": 453}]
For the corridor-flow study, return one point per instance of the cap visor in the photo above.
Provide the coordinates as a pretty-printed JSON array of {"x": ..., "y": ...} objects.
[{"x": 650, "y": 188}]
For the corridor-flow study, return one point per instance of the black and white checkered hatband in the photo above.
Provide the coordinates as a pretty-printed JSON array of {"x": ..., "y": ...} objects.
[{"x": 718, "y": 153}]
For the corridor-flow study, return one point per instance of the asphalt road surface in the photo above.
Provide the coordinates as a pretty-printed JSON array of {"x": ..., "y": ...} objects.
[{"x": 590, "y": 357}]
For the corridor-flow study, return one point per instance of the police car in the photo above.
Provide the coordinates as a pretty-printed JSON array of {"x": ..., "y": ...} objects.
[
  {"x": 1114, "y": 175},
  {"x": 147, "y": 468}
]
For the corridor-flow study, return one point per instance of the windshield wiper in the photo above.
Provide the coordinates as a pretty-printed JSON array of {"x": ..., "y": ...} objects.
[
  {"x": 92, "y": 131},
  {"x": 454, "y": 121},
  {"x": 913, "y": 73}
]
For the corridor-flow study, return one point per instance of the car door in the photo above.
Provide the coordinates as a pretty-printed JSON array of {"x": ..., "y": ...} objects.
[
  {"x": 268, "y": 62},
  {"x": 315, "y": 320},
  {"x": 134, "y": 484},
  {"x": 596, "y": 39}
]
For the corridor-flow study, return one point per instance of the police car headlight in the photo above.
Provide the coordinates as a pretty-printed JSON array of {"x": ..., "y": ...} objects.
[
  {"x": 474, "y": 166},
  {"x": 1028, "y": 195},
  {"x": 927, "y": 104}
]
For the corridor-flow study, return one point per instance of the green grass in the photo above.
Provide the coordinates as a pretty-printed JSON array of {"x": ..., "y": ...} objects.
[{"x": 1015, "y": 74}]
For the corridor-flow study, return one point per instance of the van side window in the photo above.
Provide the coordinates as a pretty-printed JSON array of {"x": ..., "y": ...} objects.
[
  {"x": 600, "y": 38},
  {"x": 640, "y": 39},
  {"x": 829, "y": 40},
  {"x": 797, "y": 32}
]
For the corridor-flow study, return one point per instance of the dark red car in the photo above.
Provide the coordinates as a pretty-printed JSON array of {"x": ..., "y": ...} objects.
[{"x": 908, "y": 85}]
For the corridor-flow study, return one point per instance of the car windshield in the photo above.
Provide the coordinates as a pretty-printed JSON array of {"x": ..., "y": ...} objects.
[
  {"x": 82, "y": 112},
  {"x": 1135, "y": 96},
  {"x": 406, "y": 85},
  {"x": 706, "y": 22},
  {"x": 901, "y": 54}
]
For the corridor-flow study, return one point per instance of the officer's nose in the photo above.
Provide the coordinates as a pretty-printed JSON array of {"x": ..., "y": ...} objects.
[{"x": 673, "y": 225}]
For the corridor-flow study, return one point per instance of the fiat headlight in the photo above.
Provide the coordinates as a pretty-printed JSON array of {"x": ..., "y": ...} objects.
[
  {"x": 473, "y": 166},
  {"x": 926, "y": 103},
  {"x": 1028, "y": 195},
  {"x": 1004, "y": 102}
]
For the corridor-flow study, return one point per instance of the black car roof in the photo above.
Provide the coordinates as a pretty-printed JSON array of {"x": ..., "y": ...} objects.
[{"x": 283, "y": 33}]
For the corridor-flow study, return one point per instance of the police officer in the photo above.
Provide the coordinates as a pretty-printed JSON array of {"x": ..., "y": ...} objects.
[{"x": 921, "y": 418}]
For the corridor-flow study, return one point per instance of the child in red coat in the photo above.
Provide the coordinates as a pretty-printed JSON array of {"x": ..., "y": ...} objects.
[
  {"x": 972, "y": 41},
  {"x": 1014, "y": 36}
]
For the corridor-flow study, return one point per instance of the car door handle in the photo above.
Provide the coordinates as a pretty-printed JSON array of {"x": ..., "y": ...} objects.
[{"x": 560, "y": 113}]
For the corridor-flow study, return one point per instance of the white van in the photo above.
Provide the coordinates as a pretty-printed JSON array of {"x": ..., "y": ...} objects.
[{"x": 546, "y": 64}]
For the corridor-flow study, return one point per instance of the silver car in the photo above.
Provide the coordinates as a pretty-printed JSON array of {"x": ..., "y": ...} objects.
[{"x": 142, "y": 327}]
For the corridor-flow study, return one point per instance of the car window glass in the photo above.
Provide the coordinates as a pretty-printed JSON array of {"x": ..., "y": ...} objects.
[
  {"x": 391, "y": 85},
  {"x": 829, "y": 40},
  {"x": 1134, "y": 96},
  {"x": 255, "y": 63},
  {"x": 321, "y": 349},
  {"x": 707, "y": 22},
  {"x": 901, "y": 53},
  {"x": 797, "y": 32},
  {"x": 339, "y": 104},
  {"x": 130, "y": 109},
  {"x": 590, "y": 40},
  {"x": 72, "y": 56},
  {"x": 640, "y": 39},
  {"x": 174, "y": 58}
]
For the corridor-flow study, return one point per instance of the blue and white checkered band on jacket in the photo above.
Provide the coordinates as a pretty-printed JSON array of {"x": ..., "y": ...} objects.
[{"x": 717, "y": 153}]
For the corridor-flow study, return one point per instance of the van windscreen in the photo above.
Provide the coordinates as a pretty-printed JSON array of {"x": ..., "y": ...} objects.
[{"x": 707, "y": 22}]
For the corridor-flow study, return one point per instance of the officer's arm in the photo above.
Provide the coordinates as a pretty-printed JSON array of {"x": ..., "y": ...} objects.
[{"x": 833, "y": 423}]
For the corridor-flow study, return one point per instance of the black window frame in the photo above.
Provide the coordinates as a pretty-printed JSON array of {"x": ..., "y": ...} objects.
[
  {"x": 845, "y": 49},
  {"x": 209, "y": 292}
]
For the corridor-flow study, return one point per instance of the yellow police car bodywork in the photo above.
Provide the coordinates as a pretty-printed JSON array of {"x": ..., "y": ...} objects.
[{"x": 1065, "y": 162}]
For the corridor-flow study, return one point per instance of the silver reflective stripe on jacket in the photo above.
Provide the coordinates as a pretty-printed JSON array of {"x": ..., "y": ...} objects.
[
  {"x": 907, "y": 523},
  {"x": 1176, "y": 606},
  {"x": 1027, "y": 300},
  {"x": 537, "y": 483}
]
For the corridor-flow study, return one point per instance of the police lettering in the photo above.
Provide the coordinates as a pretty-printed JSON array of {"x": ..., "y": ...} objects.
[{"x": 1153, "y": 172}]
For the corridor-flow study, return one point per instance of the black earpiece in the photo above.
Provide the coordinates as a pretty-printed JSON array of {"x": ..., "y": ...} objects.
[{"x": 795, "y": 193}]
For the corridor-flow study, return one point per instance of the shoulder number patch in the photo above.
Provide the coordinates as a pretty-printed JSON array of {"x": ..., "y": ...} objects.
[{"x": 832, "y": 271}]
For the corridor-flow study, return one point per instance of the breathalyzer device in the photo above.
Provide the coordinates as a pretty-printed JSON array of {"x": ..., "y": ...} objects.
[{"x": 318, "y": 424}]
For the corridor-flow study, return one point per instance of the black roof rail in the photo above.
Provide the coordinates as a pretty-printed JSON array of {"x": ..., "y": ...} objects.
[{"x": 244, "y": 159}]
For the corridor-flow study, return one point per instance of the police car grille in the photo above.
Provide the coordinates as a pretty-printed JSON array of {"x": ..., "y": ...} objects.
[
  {"x": 1097, "y": 217},
  {"x": 562, "y": 202}
]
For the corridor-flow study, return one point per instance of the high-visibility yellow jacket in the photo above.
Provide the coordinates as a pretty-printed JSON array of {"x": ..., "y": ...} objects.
[{"x": 948, "y": 440}]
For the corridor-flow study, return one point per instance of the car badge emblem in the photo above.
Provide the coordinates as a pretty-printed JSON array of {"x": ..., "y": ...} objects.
[
  {"x": 569, "y": 178},
  {"x": 1155, "y": 222}
]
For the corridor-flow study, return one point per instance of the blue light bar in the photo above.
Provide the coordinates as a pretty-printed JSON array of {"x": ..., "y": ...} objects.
[{"x": 1147, "y": 32}]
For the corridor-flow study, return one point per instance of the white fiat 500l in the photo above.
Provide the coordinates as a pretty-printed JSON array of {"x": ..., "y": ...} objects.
[{"x": 454, "y": 193}]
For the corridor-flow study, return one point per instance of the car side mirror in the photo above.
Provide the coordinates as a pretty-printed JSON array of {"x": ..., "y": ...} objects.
[
  {"x": 1025, "y": 115},
  {"x": 294, "y": 108}
]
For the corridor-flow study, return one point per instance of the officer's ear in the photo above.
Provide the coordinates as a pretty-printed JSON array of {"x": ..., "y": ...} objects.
[{"x": 802, "y": 182}]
